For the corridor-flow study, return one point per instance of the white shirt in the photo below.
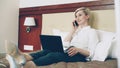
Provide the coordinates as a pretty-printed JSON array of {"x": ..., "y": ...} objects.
[{"x": 85, "y": 38}]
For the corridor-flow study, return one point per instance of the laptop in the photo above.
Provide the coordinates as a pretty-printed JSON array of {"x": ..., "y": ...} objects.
[{"x": 52, "y": 43}]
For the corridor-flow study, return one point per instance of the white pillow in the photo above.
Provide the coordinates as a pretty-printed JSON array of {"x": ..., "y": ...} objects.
[
  {"x": 103, "y": 35},
  {"x": 102, "y": 49},
  {"x": 113, "y": 49},
  {"x": 60, "y": 33}
]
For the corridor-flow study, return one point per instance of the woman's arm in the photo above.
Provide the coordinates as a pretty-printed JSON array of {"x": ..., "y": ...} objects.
[
  {"x": 69, "y": 36},
  {"x": 72, "y": 51},
  {"x": 93, "y": 40}
]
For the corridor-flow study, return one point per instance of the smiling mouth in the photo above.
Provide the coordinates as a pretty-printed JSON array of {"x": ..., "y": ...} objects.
[{"x": 79, "y": 21}]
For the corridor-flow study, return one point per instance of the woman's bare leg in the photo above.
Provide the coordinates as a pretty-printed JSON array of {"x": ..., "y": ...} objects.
[
  {"x": 30, "y": 64},
  {"x": 18, "y": 56},
  {"x": 27, "y": 57}
]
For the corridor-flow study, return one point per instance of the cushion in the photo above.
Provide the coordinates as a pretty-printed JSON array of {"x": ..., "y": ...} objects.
[
  {"x": 103, "y": 35},
  {"x": 58, "y": 32},
  {"x": 113, "y": 49},
  {"x": 103, "y": 47},
  {"x": 102, "y": 50}
]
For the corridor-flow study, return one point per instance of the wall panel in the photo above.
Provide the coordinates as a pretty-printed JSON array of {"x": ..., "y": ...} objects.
[{"x": 31, "y": 38}]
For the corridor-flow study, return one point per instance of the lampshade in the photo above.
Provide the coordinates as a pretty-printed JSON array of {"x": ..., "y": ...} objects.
[{"x": 29, "y": 21}]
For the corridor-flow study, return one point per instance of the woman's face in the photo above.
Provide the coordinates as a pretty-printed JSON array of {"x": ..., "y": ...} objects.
[{"x": 81, "y": 18}]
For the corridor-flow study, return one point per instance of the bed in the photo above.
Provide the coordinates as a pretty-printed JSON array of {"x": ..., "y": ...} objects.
[
  {"x": 103, "y": 19},
  {"x": 62, "y": 15}
]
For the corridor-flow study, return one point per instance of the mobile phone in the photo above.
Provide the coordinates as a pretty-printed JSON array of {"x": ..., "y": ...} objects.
[{"x": 75, "y": 24}]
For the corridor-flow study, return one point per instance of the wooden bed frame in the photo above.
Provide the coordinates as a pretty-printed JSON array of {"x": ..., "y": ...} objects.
[
  {"x": 32, "y": 38},
  {"x": 94, "y": 5}
]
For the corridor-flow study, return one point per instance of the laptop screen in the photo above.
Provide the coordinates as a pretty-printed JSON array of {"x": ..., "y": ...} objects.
[{"x": 52, "y": 43}]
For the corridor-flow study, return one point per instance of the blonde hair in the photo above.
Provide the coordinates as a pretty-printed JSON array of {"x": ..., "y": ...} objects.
[
  {"x": 84, "y": 9},
  {"x": 87, "y": 12}
]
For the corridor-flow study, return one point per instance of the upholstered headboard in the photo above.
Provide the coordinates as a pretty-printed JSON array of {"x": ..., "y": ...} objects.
[
  {"x": 60, "y": 17},
  {"x": 103, "y": 18}
]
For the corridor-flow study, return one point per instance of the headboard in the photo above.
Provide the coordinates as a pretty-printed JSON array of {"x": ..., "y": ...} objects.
[
  {"x": 102, "y": 19},
  {"x": 60, "y": 17},
  {"x": 54, "y": 16}
]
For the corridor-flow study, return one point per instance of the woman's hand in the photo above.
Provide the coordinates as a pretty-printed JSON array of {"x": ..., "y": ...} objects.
[
  {"x": 73, "y": 51},
  {"x": 74, "y": 25}
]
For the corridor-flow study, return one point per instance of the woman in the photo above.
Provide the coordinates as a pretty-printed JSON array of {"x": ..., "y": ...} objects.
[{"x": 82, "y": 39}]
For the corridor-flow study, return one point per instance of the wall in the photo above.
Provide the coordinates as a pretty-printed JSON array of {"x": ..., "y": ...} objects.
[
  {"x": 33, "y": 3},
  {"x": 9, "y": 10},
  {"x": 31, "y": 39}
]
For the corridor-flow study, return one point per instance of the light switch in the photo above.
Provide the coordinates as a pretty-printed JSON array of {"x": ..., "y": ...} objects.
[{"x": 28, "y": 47}]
